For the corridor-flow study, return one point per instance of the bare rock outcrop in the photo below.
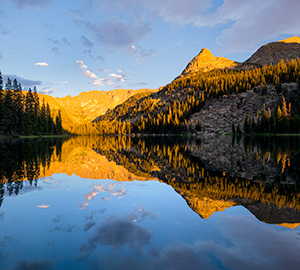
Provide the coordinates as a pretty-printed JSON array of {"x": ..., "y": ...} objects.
[{"x": 218, "y": 115}]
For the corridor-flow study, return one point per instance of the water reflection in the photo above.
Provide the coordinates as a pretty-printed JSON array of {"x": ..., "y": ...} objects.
[
  {"x": 88, "y": 203},
  {"x": 211, "y": 174}
]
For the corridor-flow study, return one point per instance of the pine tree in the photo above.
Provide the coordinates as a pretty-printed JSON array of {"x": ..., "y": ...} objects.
[
  {"x": 1, "y": 81},
  {"x": 58, "y": 123},
  {"x": 29, "y": 111},
  {"x": 6, "y": 114},
  {"x": 8, "y": 85}
]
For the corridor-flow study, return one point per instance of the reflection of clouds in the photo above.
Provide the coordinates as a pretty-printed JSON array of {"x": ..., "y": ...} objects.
[
  {"x": 43, "y": 206},
  {"x": 116, "y": 232},
  {"x": 89, "y": 225},
  {"x": 57, "y": 219},
  {"x": 46, "y": 179},
  {"x": 254, "y": 245},
  {"x": 67, "y": 228},
  {"x": 5, "y": 240},
  {"x": 184, "y": 257},
  {"x": 140, "y": 214},
  {"x": 174, "y": 257},
  {"x": 2, "y": 216},
  {"x": 247, "y": 245},
  {"x": 26, "y": 265},
  {"x": 91, "y": 215},
  {"x": 111, "y": 189},
  {"x": 143, "y": 214}
]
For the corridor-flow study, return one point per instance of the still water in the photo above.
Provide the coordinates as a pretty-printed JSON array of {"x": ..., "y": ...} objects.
[{"x": 150, "y": 203}]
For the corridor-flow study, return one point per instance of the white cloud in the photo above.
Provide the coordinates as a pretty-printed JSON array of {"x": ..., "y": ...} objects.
[
  {"x": 87, "y": 73},
  {"x": 46, "y": 91},
  {"x": 41, "y": 64},
  {"x": 61, "y": 83},
  {"x": 120, "y": 76}
]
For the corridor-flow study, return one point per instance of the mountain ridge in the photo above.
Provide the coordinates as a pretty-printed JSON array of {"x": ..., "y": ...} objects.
[{"x": 274, "y": 52}]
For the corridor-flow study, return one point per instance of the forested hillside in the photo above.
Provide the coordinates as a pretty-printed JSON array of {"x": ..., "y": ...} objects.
[{"x": 170, "y": 109}]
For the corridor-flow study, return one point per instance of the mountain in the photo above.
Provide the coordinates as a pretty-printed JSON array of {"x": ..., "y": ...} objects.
[
  {"x": 215, "y": 95},
  {"x": 88, "y": 105},
  {"x": 272, "y": 53},
  {"x": 206, "y": 61}
]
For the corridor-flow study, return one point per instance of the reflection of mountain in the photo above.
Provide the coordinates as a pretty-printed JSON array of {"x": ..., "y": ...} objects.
[
  {"x": 239, "y": 175},
  {"x": 83, "y": 161},
  {"x": 211, "y": 175}
]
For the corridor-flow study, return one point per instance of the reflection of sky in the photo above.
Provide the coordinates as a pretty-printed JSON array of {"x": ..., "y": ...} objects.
[{"x": 146, "y": 226}]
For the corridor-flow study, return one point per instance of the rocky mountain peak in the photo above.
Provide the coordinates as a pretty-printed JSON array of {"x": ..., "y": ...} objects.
[
  {"x": 206, "y": 61},
  {"x": 206, "y": 53}
]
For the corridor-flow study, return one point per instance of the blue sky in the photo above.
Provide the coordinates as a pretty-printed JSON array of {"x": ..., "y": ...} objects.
[{"x": 65, "y": 47}]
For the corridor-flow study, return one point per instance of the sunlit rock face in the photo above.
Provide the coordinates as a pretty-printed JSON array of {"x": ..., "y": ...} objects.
[{"x": 206, "y": 61}]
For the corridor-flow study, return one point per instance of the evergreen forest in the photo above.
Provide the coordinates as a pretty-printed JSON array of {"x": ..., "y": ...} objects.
[{"x": 22, "y": 112}]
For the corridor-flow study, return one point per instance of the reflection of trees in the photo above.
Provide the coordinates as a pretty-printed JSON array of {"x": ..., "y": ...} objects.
[
  {"x": 222, "y": 169},
  {"x": 22, "y": 160}
]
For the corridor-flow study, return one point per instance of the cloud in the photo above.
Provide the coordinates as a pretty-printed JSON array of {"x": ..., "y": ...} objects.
[
  {"x": 120, "y": 76},
  {"x": 46, "y": 91},
  {"x": 26, "y": 265},
  {"x": 55, "y": 50},
  {"x": 86, "y": 42},
  {"x": 41, "y": 64},
  {"x": 243, "y": 24},
  {"x": 63, "y": 41},
  {"x": 87, "y": 73},
  {"x": 252, "y": 22},
  {"x": 62, "y": 83},
  {"x": 115, "y": 34},
  {"x": 139, "y": 54},
  {"x": 26, "y": 83},
  {"x": 30, "y": 3}
]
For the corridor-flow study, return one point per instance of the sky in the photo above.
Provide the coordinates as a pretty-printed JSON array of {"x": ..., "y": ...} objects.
[{"x": 65, "y": 47}]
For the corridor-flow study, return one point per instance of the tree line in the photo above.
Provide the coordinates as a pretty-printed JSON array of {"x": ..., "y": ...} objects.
[{"x": 24, "y": 114}]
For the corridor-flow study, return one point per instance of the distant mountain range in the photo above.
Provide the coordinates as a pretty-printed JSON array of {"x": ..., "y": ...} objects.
[{"x": 86, "y": 106}]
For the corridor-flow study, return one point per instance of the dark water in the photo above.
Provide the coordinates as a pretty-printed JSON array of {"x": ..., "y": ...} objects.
[{"x": 150, "y": 203}]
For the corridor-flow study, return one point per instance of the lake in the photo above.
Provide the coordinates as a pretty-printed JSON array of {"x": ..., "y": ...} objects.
[{"x": 150, "y": 203}]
